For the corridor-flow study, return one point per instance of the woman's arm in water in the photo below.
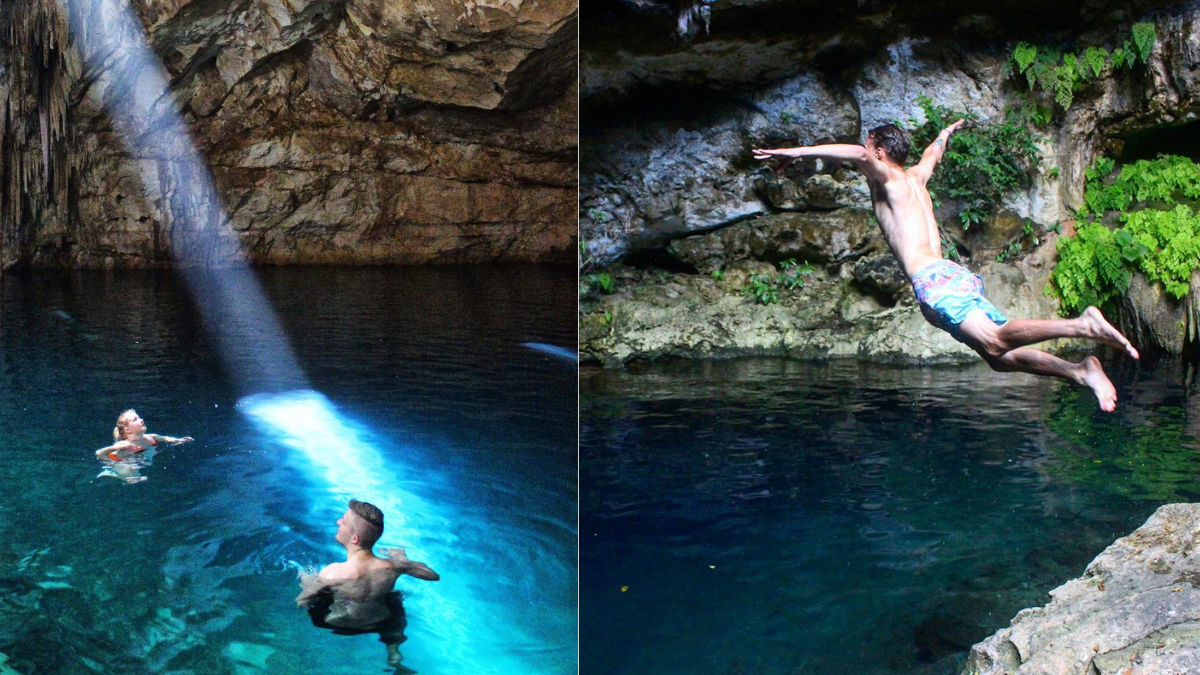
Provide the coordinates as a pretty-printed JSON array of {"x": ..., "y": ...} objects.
[
  {"x": 119, "y": 445},
  {"x": 170, "y": 439}
]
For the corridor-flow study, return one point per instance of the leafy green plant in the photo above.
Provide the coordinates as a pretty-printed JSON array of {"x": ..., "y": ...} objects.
[
  {"x": 983, "y": 160},
  {"x": 949, "y": 248},
  {"x": 601, "y": 280},
  {"x": 792, "y": 273},
  {"x": 1163, "y": 244},
  {"x": 718, "y": 274},
  {"x": 1144, "y": 37},
  {"x": 599, "y": 216},
  {"x": 1028, "y": 231},
  {"x": 1096, "y": 58},
  {"x": 1166, "y": 178},
  {"x": 1010, "y": 251},
  {"x": 1089, "y": 269},
  {"x": 1060, "y": 74},
  {"x": 762, "y": 288},
  {"x": 765, "y": 287},
  {"x": 1173, "y": 237},
  {"x": 1016, "y": 248},
  {"x": 787, "y": 117}
]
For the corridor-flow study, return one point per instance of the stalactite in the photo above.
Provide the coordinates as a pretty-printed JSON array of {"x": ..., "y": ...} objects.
[
  {"x": 691, "y": 12},
  {"x": 35, "y": 45},
  {"x": 1191, "y": 314}
]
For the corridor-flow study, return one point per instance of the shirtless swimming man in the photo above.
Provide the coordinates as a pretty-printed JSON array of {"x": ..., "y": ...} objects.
[
  {"x": 356, "y": 596},
  {"x": 951, "y": 297}
]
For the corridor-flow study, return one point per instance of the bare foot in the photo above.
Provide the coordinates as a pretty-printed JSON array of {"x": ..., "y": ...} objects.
[
  {"x": 1102, "y": 387},
  {"x": 1099, "y": 328}
]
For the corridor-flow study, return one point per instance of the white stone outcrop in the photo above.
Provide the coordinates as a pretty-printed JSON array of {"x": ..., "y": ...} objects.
[{"x": 1136, "y": 609}]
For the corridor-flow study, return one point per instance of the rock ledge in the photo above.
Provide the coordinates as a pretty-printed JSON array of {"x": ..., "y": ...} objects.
[{"x": 1136, "y": 609}]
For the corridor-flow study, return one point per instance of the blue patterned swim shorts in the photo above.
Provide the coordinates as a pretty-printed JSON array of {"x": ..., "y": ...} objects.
[{"x": 947, "y": 293}]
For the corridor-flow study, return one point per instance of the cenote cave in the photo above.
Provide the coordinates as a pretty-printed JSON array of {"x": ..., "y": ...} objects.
[{"x": 319, "y": 253}]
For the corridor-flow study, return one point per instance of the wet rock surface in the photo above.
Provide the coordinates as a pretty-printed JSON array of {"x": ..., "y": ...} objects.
[
  {"x": 1136, "y": 609},
  {"x": 836, "y": 314}
]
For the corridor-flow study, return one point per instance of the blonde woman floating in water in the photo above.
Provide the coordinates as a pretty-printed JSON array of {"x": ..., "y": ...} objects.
[
  {"x": 950, "y": 296},
  {"x": 122, "y": 457}
]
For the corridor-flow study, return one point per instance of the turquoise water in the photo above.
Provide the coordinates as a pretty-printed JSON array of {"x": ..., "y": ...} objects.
[
  {"x": 768, "y": 516},
  {"x": 464, "y": 437}
]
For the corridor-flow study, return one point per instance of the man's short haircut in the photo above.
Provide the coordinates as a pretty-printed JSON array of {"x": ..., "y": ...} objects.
[
  {"x": 371, "y": 527},
  {"x": 893, "y": 140}
]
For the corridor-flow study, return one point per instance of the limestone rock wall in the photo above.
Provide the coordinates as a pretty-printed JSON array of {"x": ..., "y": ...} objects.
[{"x": 337, "y": 131}]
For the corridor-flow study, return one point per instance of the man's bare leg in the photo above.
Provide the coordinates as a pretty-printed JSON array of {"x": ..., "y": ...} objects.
[
  {"x": 982, "y": 335},
  {"x": 1087, "y": 372},
  {"x": 1090, "y": 325}
]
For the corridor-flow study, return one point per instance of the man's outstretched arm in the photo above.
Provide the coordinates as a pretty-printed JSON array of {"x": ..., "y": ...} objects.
[
  {"x": 403, "y": 565},
  {"x": 933, "y": 153},
  {"x": 841, "y": 152}
]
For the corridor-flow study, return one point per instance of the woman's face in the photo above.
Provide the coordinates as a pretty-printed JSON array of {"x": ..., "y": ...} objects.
[{"x": 134, "y": 425}]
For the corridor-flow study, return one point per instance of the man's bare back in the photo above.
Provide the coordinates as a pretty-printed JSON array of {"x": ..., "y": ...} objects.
[
  {"x": 357, "y": 589},
  {"x": 950, "y": 297}
]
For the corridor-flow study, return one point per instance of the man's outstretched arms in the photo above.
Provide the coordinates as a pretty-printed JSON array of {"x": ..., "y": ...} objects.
[
  {"x": 929, "y": 159},
  {"x": 841, "y": 152}
]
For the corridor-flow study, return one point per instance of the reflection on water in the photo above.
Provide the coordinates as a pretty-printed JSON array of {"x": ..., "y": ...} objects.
[
  {"x": 771, "y": 516},
  {"x": 466, "y": 436}
]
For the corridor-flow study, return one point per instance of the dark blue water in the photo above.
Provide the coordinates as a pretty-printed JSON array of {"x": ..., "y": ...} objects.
[
  {"x": 466, "y": 437},
  {"x": 767, "y": 516}
]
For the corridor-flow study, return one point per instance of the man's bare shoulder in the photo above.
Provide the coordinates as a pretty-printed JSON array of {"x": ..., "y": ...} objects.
[
  {"x": 336, "y": 572},
  {"x": 377, "y": 564},
  {"x": 887, "y": 177},
  {"x": 916, "y": 174}
]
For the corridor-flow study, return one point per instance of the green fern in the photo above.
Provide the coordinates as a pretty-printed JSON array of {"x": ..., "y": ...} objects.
[
  {"x": 1096, "y": 265},
  {"x": 1118, "y": 58},
  {"x": 1097, "y": 59},
  {"x": 1144, "y": 37},
  {"x": 1064, "y": 83},
  {"x": 1024, "y": 54},
  {"x": 1060, "y": 75}
]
